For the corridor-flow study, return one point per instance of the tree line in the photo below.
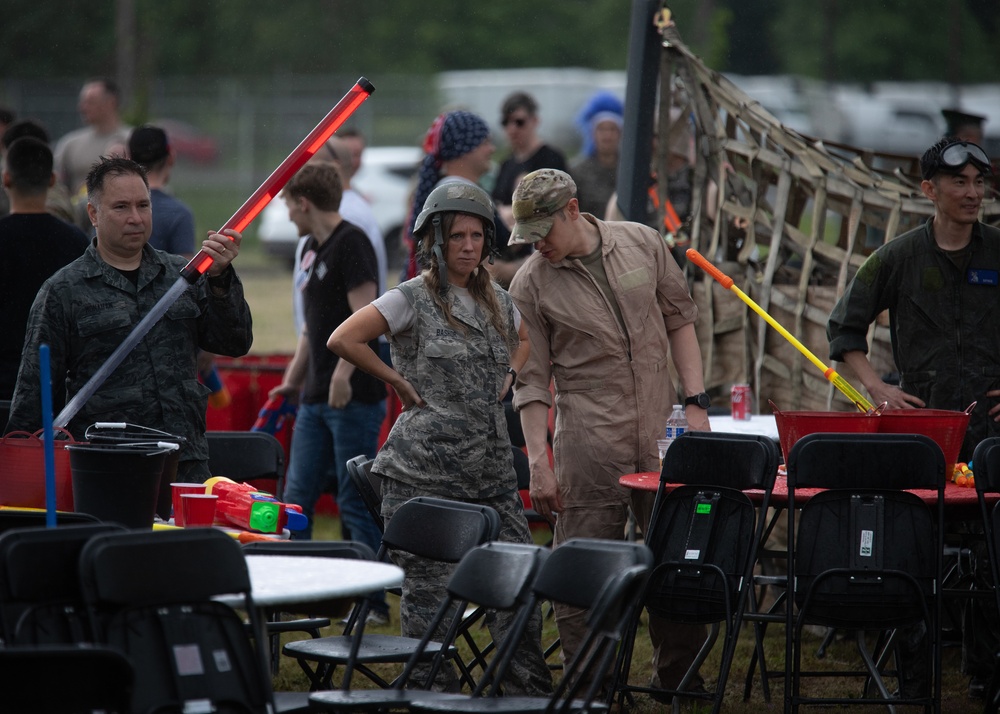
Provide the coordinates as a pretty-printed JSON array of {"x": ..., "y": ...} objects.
[{"x": 839, "y": 40}]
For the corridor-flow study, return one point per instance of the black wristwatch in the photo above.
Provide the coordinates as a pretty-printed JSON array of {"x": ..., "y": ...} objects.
[
  {"x": 513, "y": 373},
  {"x": 699, "y": 400}
]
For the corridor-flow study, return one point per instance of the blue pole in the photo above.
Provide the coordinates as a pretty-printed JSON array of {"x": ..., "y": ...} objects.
[{"x": 48, "y": 441}]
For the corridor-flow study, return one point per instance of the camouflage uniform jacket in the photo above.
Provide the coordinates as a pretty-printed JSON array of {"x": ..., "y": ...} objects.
[
  {"x": 944, "y": 323},
  {"x": 457, "y": 446},
  {"x": 88, "y": 308}
]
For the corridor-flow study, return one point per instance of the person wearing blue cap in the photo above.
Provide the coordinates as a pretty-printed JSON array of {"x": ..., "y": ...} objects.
[{"x": 596, "y": 173}]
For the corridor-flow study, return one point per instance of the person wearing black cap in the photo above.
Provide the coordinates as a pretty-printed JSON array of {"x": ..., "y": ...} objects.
[
  {"x": 964, "y": 126},
  {"x": 173, "y": 222},
  {"x": 940, "y": 283}
]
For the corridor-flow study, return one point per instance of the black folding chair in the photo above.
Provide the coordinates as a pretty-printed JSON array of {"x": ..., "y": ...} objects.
[
  {"x": 604, "y": 577},
  {"x": 29, "y": 518},
  {"x": 704, "y": 536},
  {"x": 495, "y": 575},
  {"x": 254, "y": 457},
  {"x": 150, "y": 595},
  {"x": 41, "y": 602},
  {"x": 433, "y": 528},
  {"x": 314, "y": 622},
  {"x": 986, "y": 461},
  {"x": 89, "y": 679},
  {"x": 369, "y": 485},
  {"x": 866, "y": 557}
]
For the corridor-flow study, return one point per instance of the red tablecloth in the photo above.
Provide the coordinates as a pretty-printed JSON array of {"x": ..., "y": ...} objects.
[{"x": 960, "y": 501}]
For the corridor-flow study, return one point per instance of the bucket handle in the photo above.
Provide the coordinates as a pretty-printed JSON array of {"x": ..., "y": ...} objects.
[
  {"x": 122, "y": 426},
  {"x": 167, "y": 445},
  {"x": 968, "y": 409}
]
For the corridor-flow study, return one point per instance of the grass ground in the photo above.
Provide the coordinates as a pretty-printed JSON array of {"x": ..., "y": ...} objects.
[{"x": 840, "y": 654}]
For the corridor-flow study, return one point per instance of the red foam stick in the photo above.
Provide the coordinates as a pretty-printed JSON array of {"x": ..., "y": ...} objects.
[{"x": 200, "y": 263}]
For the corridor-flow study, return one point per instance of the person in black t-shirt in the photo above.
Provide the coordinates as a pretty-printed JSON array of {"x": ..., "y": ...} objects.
[
  {"x": 33, "y": 246},
  {"x": 341, "y": 408},
  {"x": 520, "y": 120}
]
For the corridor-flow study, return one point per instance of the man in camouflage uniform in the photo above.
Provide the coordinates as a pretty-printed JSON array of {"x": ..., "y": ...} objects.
[
  {"x": 88, "y": 308},
  {"x": 940, "y": 283},
  {"x": 451, "y": 372}
]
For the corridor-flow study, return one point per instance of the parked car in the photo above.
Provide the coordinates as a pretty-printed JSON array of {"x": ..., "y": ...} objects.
[
  {"x": 385, "y": 179},
  {"x": 189, "y": 142}
]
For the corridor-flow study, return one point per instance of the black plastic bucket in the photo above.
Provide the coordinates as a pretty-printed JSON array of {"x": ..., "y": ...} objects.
[
  {"x": 133, "y": 435},
  {"x": 116, "y": 482}
]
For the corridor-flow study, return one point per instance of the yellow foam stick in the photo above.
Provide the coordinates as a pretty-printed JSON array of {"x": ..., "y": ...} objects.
[{"x": 829, "y": 372}]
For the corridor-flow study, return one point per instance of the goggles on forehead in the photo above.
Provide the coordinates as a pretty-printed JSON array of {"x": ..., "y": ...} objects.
[{"x": 955, "y": 156}]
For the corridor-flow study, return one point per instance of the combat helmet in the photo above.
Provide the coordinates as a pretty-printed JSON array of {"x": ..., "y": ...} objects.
[{"x": 461, "y": 197}]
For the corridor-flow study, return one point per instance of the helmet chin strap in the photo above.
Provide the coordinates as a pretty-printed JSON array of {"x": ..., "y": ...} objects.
[{"x": 439, "y": 255}]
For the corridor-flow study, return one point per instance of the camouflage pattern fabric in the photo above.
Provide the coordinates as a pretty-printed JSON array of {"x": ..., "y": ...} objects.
[
  {"x": 87, "y": 309},
  {"x": 424, "y": 587},
  {"x": 457, "y": 446},
  {"x": 944, "y": 322},
  {"x": 536, "y": 199}
]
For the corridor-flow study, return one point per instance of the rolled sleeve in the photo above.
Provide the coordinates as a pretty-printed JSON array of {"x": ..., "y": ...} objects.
[{"x": 534, "y": 378}]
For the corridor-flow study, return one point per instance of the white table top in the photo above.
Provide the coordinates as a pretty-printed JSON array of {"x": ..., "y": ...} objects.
[
  {"x": 759, "y": 424},
  {"x": 293, "y": 579}
]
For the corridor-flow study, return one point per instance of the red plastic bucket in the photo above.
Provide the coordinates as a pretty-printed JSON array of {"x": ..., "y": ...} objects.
[
  {"x": 945, "y": 427},
  {"x": 792, "y": 426}
]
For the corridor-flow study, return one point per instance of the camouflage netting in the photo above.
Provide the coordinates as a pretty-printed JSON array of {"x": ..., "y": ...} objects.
[{"x": 831, "y": 204}]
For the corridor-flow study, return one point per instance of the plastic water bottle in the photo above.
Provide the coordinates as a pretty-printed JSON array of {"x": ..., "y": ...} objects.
[{"x": 677, "y": 424}]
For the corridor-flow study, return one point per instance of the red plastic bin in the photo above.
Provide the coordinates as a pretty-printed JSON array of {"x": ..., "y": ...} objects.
[
  {"x": 944, "y": 426},
  {"x": 793, "y": 425}
]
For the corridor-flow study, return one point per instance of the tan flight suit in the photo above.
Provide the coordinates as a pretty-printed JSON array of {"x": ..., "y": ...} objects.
[{"x": 613, "y": 393}]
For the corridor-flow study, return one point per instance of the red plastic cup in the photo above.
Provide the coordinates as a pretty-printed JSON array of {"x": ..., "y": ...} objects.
[
  {"x": 198, "y": 509},
  {"x": 176, "y": 489}
]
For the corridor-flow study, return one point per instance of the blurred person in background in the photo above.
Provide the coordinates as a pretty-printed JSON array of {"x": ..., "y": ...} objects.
[
  {"x": 33, "y": 246},
  {"x": 964, "y": 126},
  {"x": 173, "y": 221},
  {"x": 457, "y": 147},
  {"x": 355, "y": 142},
  {"x": 520, "y": 120},
  {"x": 596, "y": 171},
  {"x": 173, "y": 227},
  {"x": 7, "y": 118},
  {"x": 78, "y": 151},
  {"x": 57, "y": 200}
]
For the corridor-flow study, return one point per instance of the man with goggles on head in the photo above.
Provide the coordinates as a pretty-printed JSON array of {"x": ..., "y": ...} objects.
[{"x": 941, "y": 285}]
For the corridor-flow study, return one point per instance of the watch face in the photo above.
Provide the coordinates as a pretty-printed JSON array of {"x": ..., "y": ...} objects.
[{"x": 702, "y": 400}]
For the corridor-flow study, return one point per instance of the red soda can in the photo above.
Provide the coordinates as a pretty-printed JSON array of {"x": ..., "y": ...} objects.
[{"x": 740, "y": 400}]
